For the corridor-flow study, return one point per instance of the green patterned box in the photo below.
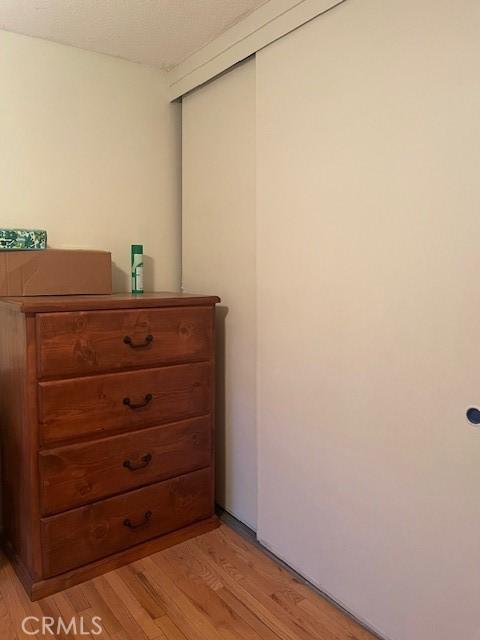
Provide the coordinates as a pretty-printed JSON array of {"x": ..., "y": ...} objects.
[{"x": 26, "y": 239}]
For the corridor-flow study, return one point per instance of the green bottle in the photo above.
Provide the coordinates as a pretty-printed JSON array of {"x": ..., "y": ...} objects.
[{"x": 137, "y": 268}]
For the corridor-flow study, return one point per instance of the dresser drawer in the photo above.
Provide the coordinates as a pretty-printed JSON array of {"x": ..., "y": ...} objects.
[
  {"x": 77, "y": 343},
  {"x": 81, "y": 473},
  {"x": 76, "y": 537},
  {"x": 103, "y": 404}
]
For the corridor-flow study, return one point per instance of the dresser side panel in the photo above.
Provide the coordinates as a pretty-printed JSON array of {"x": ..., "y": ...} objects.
[{"x": 18, "y": 430}]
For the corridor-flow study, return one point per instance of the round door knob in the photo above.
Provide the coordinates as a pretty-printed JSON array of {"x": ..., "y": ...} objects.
[{"x": 473, "y": 415}]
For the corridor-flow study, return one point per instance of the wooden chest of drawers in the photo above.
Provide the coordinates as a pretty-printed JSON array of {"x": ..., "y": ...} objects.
[{"x": 106, "y": 416}]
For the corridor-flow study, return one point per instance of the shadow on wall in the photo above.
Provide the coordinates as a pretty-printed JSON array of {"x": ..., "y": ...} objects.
[
  {"x": 121, "y": 278},
  {"x": 220, "y": 410}
]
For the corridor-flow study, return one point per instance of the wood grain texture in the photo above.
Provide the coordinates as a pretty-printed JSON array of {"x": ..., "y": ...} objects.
[
  {"x": 77, "y": 474},
  {"x": 100, "y": 469},
  {"x": 218, "y": 586},
  {"x": 13, "y": 350},
  {"x": 46, "y": 587},
  {"x": 77, "y": 537},
  {"x": 82, "y": 342},
  {"x": 18, "y": 405},
  {"x": 162, "y": 299},
  {"x": 29, "y": 461},
  {"x": 94, "y": 405}
]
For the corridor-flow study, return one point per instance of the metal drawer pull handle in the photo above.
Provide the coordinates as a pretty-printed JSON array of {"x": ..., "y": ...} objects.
[
  {"x": 145, "y": 460},
  {"x": 473, "y": 415},
  {"x": 135, "y": 345},
  {"x": 146, "y": 517},
  {"x": 131, "y": 405}
]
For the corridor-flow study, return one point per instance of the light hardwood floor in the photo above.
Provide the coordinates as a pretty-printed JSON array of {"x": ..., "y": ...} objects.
[{"x": 219, "y": 586}]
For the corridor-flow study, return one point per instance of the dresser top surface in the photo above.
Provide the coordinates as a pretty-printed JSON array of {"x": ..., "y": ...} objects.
[{"x": 43, "y": 304}]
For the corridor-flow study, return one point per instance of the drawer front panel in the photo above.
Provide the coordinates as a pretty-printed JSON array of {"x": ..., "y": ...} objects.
[
  {"x": 104, "y": 404},
  {"x": 80, "y": 536},
  {"x": 82, "y": 473},
  {"x": 78, "y": 343}
]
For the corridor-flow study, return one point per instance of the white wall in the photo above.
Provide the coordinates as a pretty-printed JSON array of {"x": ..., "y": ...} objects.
[
  {"x": 90, "y": 150},
  {"x": 368, "y": 201},
  {"x": 218, "y": 132}
]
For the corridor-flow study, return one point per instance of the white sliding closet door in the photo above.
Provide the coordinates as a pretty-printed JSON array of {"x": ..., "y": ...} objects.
[
  {"x": 218, "y": 132},
  {"x": 368, "y": 139}
]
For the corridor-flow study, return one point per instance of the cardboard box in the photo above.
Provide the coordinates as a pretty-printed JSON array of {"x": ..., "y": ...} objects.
[{"x": 55, "y": 272}]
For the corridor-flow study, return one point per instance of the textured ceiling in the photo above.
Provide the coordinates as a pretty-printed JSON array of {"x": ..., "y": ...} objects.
[{"x": 156, "y": 32}]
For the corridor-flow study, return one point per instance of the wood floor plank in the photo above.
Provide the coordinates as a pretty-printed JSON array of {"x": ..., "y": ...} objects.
[
  {"x": 233, "y": 582},
  {"x": 50, "y": 609},
  {"x": 77, "y": 598},
  {"x": 243, "y": 577},
  {"x": 251, "y": 617},
  {"x": 194, "y": 623},
  {"x": 291, "y": 588},
  {"x": 110, "y": 622},
  {"x": 129, "y": 625},
  {"x": 169, "y": 629},
  {"x": 88, "y": 615},
  {"x": 7, "y": 629},
  {"x": 142, "y": 589},
  {"x": 193, "y": 578},
  {"x": 16, "y": 600},
  {"x": 218, "y": 586},
  {"x": 186, "y": 556},
  {"x": 133, "y": 606},
  {"x": 303, "y": 595}
]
